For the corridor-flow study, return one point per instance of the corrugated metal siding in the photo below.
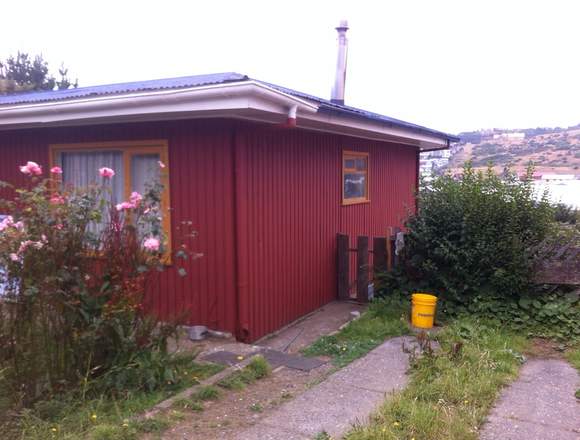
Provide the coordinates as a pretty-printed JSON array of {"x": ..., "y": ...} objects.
[
  {"x": 275, "y": 203},
  {"x": 292, "y": 185},
  {"x": 201, "y": 179}
]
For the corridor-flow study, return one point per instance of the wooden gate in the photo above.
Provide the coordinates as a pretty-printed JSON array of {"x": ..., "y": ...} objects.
[{"x": 354, "y": 284}]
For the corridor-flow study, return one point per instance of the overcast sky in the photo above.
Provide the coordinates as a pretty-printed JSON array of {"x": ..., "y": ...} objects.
[{"x": 450, "y": 65}]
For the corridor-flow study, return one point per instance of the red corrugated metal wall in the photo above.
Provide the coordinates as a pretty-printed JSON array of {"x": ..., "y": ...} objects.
[
  {"x": 201, "y": 181},
  {"x": 291, "y": 180},
  {"x": 266, "y": 203}
]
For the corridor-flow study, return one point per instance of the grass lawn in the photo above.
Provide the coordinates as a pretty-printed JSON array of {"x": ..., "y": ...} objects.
[
  {"x": 451, "y": 391},
  {"x": 573, "y": 357},
  {"x": 382, "y": 320},
  {"x": 102, "y": 418}
]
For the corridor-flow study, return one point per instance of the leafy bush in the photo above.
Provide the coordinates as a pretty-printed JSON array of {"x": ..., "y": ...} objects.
[
  {"x": 75, "y": 273},
  {"x": 551, "y": 315},
  {"x": 472, "y": 236},
  {"x": 565, "y": 214}
]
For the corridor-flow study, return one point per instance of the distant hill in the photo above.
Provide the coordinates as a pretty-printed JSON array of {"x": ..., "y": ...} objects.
[{"x": 554, "y": 151}]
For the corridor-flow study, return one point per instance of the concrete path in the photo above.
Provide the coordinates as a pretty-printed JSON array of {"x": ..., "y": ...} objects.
[
  {"x": 347, "y": 397},
  {"x": 540, "y": 405},
  {"x": 305, "y": 331}
]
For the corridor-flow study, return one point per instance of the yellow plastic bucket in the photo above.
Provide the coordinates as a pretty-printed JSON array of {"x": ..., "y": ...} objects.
[{"x": 423, "y": 310}]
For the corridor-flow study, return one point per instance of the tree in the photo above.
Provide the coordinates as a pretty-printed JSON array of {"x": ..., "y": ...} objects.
[{"x": 24, "y": 73}]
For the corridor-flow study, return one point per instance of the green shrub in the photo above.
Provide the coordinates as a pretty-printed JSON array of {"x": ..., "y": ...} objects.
[
  {"x": 472, "y": 236},
  {"x": 69, "y": 319},
  {"x": 565, "y": 214},
  {"x": 258, "y": 368}
]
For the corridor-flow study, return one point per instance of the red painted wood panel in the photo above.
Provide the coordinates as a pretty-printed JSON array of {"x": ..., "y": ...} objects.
[
  {"x": 291, "y": 183},
  {"x": 201, "y": 180}
]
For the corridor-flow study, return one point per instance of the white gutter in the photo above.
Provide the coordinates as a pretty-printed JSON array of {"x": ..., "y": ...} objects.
[{"x": 228, "y": 96}]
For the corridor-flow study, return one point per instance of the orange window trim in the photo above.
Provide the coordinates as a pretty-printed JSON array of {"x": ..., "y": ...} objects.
[
  {"x": 355, "y": 155},
  {"x": 130, "y": 149}
]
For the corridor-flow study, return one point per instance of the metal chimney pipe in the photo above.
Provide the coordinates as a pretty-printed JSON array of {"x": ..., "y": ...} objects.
[{"x": 337, "y": 95}]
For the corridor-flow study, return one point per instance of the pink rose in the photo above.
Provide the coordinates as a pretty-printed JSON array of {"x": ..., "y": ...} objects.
[
  {"x": 56, "y": 170},
  {"x": 135, "y": 198},
  {"x": 124, "y": 205},
  {"x": 8, "y": 221},
  {"x": 161, "y": 164},
  {"x": 151, "y": 244},
  {"x": 106, "y": 172},
  {"x": 58, "y": 226},
  {"x": 31, "y": 169},
  {"x": 56, "y": 199},
  {"x": 14, "y": 257},
  {"x": 29, "y": 243}
]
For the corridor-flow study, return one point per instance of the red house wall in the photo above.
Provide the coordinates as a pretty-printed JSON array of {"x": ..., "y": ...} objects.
[
  {"x": 266, "y": 204},
  {"x": 291, "y": 181},
  {"x": 201, "y": 182}
]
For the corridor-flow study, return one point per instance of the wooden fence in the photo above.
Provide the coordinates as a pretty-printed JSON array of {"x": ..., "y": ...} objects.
[
  {"x": 558, "y": 262},
  {"x": 383, "y": 258}
]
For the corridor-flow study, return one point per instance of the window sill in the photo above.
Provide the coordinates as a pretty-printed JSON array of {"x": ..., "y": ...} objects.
[{"x": 355, "y": 202}]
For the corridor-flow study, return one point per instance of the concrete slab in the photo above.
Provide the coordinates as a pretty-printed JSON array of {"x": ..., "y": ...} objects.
[
  {"x": 539, "y": 405},
  {"x": 346, "y": 398},
  {"x": 511, "y": 429},
  {"x": 304, "y": 332},
  {"x": 277, "y": 358},
  {"x": 225, "y": 357},
  {"x": 332, "y": 408},
  {"x": 382, "y": 370}
]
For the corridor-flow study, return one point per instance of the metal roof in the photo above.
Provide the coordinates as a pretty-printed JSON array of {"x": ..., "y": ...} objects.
[{"x": 325, "y": 105}]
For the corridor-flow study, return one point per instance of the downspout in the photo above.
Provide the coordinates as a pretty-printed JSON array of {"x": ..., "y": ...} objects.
[
  {"x": 291, "y": 118},
  {"x": 417, "y": 177},
  {"x": 240, "y": 236}
]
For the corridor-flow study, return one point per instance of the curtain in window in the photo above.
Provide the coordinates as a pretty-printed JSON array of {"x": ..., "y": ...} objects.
[
  {"x": 144, "y": 171},
  {"x": 81, "y": 169},
  {"x": 144, "y": 174}
]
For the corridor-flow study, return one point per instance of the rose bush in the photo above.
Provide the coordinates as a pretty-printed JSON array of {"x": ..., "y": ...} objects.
[{"x": 74, "y": 277}]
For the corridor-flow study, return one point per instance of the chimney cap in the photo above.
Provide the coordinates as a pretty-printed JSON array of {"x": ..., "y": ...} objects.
[{"x": 342, "y": 26}]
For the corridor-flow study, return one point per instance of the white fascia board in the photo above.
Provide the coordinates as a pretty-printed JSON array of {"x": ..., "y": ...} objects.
[
  {"x": 217, "y": 98},
  {"x": 370, "y": 130}
]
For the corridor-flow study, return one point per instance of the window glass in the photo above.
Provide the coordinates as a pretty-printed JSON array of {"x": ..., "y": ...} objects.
[
  {"x": 355, "y": 177},
  {"x": 137, "y": 165},
  {"x": 354, "y": 185},
  {"x": 145, "y": 171}
]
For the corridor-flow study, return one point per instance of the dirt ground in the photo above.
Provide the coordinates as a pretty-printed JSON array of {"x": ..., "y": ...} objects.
[
  {"x": 237, "y": 410},
  {"x": 546, "y": 349}
]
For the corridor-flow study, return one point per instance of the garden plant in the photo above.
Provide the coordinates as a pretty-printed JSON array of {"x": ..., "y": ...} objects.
[{"x": 74, "y": 271}]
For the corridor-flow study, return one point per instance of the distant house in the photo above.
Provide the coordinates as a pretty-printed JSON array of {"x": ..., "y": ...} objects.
[{"x": 510, "y": 136}]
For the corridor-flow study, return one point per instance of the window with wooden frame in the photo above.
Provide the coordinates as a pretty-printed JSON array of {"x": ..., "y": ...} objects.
[
  {"x": 355, "y": 177},
  {"x": 136, "y": 165}
]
